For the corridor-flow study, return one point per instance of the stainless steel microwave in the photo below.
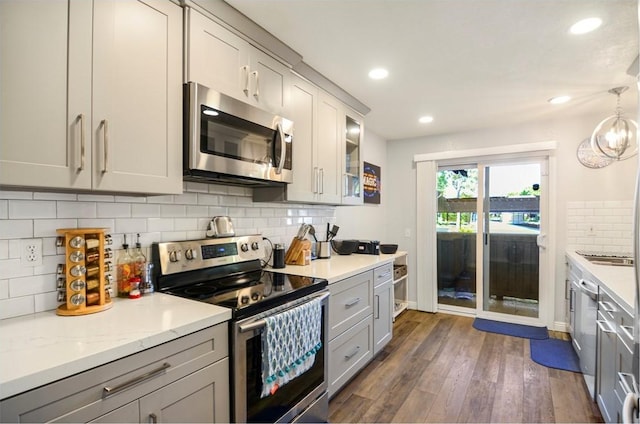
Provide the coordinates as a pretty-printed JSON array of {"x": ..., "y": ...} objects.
[{"x": 228, "y": 141}]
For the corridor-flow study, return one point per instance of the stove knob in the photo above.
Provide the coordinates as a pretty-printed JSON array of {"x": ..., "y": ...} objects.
[
  {"x": 172, "y": 256},
  {"x": 191, "y": 254},
  {"x": 255, "y": 245},
  {"x": 244, "y": 300},
  {"x": 244, "y": 247},
  {"x": 255, "y": 296}
]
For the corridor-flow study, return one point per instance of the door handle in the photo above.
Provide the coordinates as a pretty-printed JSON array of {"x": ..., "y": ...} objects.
[
  {"x": 541, "y": 241},
  {"x": 256, "y": 93},
  {"x": 82, "y": 142},
  {"x": 105, "y": 129},
  {"x": 245, "y": 69},
  {"x": 112, "y": 390}
]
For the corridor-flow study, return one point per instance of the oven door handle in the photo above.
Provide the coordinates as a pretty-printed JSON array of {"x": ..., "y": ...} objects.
[{"x": 255, "y": 325}]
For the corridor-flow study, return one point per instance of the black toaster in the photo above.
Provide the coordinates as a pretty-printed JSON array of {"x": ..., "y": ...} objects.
[{"x": 368, "y": 247}]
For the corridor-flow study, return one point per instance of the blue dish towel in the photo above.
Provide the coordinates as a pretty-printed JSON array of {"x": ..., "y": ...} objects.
[{"x": 289, "y": 345}]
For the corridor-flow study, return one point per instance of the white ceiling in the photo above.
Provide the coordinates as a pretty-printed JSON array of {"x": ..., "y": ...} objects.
[{"x": 469, "y": 63}]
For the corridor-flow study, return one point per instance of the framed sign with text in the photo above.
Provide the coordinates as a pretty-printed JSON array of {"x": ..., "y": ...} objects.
[{"x": 371, "y": 184}]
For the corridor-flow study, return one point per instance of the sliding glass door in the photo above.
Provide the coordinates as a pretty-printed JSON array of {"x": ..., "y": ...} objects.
[{"x": 487, "y": 228}]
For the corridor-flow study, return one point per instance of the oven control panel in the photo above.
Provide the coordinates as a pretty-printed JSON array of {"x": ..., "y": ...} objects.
[{"x": 188, "y": 255}]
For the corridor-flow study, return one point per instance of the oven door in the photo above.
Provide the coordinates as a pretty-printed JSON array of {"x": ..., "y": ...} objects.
[
  {"x": 292, "y": 399},
  {"x": 227, "y": 136}
]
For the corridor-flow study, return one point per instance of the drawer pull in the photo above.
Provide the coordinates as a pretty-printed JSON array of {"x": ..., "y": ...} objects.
[
  {"x": 153, "y": 418},
  {"x": 605, "y": 327},
  {"x": 624, "y": 377},
  {"x": 353, "y": 353},
  {"x": 111, "y": 390},
  {"x": 625, "y": 329},
  {"x": 606, "y": 306},
  {"x": 352, "y": 302}
]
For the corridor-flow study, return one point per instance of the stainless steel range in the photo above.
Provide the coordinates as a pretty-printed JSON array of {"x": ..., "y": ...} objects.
[{"x": 227, "y": 272}]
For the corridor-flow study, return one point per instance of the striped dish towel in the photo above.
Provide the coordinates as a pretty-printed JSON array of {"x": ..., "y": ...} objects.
[{"x": 289, "y": 345}]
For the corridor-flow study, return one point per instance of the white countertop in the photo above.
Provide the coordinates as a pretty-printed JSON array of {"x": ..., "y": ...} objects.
[
  {"x": 44, "y": 347},
  {"x": 618, "y": 279},
  {"x": 339, "y": 267}
]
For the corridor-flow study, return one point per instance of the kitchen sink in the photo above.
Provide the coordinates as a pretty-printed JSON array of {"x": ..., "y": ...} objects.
[{"x": 607, "y": 259}]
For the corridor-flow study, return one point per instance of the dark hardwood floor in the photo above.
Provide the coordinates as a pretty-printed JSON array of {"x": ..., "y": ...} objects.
[{"x": 438, "y": 368}]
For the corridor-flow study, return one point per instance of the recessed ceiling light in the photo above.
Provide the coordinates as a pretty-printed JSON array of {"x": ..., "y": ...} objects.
[
  {"x": 425, "y": 119},
  {"x": 558, "y": 100},
  {"x": 585, "y": 25},
  {"x": 378, "y": 73}
]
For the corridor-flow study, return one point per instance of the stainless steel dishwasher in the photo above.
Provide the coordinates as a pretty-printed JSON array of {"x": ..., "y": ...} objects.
[{"x": 585, "y": 329}]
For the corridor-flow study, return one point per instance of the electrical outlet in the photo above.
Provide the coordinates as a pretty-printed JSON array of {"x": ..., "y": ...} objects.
[{"x": 31, "y": 252}]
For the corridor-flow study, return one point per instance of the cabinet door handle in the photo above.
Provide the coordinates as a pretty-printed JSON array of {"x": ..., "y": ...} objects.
[
  {"x": 153, "y": 418},
  {"x": 605, "y": 327},
  {"x": 315, "y": 179},
  {"x": 105, "y": 130},
  {"x": 108, "y": 391},
  {"x": 606, "y": 306},
  {"x": 246, "y": 80},
  {"x": 82, "y": 142},
  {"x": 256, "y": 93},
  {"x": 352, "y": 353},
  {"x": 377, "y": 307},
  {"x": 352, "y": 302},
  {"x": 321, "y": 175}
]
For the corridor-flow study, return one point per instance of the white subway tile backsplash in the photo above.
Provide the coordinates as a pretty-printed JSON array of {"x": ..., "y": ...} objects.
[
  {"x": 106, "y": 223},
  {"x": 16, "y": 228},
  {"x": 114, "y": 210},
  {"x": 208, "y": 199},
  {"x": 48, "y": 227},
  {"x": 9, "y": 194},
  {"x": 24, "y": 290},
  {"x": 160, "y": 224},
  {"x": 16, "y": 306},
  {"x": 45, "y": 301},
  {"x": 55, "y": 196},
  {"x": 599, "y": 225},
  {"x": 76, "y": 210},
  {"x": 32, "y": 285},
  {"x": 131, "y": 225},
  {"x": 145, "y": 211},
  {"x": 31, "y": 209},
  {"x": 4, "y": 289},
  {"x": 175, "y": 211},
  {"x": 96, "y": 198}
]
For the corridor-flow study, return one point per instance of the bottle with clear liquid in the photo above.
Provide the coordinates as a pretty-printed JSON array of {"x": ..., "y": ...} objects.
[
  {"x": 124, "y": 270},
  {"x": 139, "y": 261}
]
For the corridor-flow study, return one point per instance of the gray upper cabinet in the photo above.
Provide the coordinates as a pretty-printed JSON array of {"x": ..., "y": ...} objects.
[
  {"x": 223, "y": 61},
  {"x": 91, "y": 95}
]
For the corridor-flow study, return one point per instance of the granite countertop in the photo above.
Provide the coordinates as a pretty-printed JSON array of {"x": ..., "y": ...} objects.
[
  {"x": 339, "y": 267},
  {"x": 44, "y": 347},
  {"x": 618, "y": 279}
]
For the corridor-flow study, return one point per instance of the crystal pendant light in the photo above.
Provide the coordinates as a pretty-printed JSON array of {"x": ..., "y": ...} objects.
[{"x": 615, "y": 136}]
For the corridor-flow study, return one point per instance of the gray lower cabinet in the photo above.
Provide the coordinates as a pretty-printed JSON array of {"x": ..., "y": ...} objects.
[
  {"x": 383, "y": 300},
  {"x": 350, "y": 328},
  {"x": 185, "y": 380}
]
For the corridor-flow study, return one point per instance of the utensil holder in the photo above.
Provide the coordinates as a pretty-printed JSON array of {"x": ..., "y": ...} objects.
[{"x": 84, "y": 281}]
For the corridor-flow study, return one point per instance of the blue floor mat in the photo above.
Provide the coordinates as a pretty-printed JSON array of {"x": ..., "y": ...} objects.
[
  {"x": 555, "y": 353},
  {"x": 508, "y": 329}
]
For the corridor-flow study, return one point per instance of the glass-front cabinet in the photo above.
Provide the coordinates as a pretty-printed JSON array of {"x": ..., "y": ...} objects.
[{"x": 352, "y": 190}]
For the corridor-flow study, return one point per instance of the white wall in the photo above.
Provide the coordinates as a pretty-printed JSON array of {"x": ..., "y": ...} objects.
[
  {"x": 368, "y": 222},
  {"x": 574, "y": 181}
]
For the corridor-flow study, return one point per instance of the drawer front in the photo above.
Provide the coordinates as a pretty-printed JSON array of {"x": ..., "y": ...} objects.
[
  {"x": 350, "y": 302},
  {"x": 348, "y": 353},
  {"x": 100, "y": 390},
  {"x": 382, "y": 274}
]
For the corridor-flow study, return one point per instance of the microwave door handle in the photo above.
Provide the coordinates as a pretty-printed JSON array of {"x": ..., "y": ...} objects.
[{"x": 283, "y": 147}]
